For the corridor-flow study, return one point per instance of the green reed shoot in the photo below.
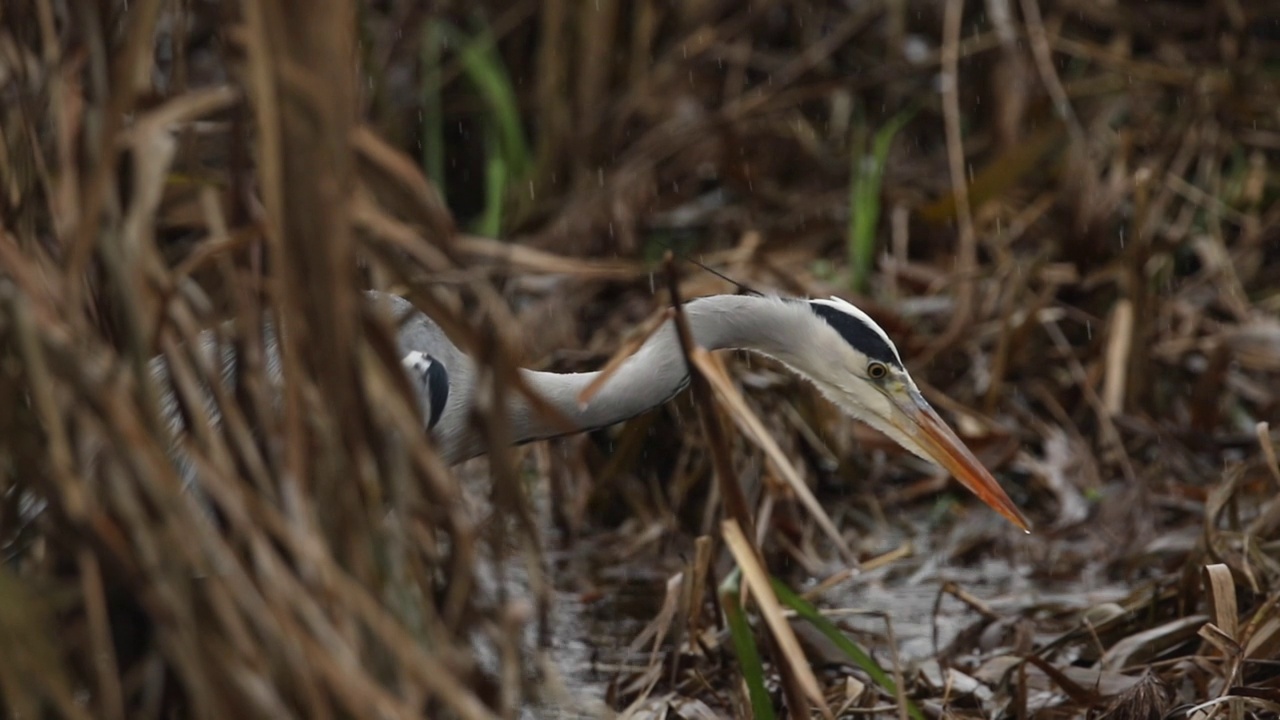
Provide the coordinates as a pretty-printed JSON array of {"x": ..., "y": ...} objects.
[
  {"x": 744, "y": 646},
  {"x": 507, "y": 159},
  {"x": 856, "y": 655},
  {"x": 866, "y": 176}
]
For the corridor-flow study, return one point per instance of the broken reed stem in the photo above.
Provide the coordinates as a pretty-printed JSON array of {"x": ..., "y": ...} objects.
[
  {"x": 735, "y": 500},
  {"x": 313, "y": 48},
  {"x": 740, "y": 413},
  {"x": 1116, "y": 369},
  {"x": 797, "y": 679}
]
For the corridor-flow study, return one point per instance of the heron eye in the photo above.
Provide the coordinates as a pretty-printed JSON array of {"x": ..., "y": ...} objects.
[{"x": 877, "y": 370}]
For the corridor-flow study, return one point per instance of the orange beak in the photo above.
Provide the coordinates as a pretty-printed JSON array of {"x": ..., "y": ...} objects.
[{"x": 937, "y": 442}]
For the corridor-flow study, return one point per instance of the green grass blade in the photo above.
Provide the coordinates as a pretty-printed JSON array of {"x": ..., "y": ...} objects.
[
  {"x": 507, "y": 158},
  {"x": 744, "y": 647},
  {"x": 485, "y": 70},
  {"x": 432, "y": 104},
  {"x": 867, "y": 174},
  {"x": 496, "y": 173},
  {"x": 855, "y": 654}
]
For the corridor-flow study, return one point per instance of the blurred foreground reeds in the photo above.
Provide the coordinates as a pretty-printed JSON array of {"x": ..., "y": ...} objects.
[
  {"x": 1074, "y": 241},
  {"x": 327, "y": 562}
]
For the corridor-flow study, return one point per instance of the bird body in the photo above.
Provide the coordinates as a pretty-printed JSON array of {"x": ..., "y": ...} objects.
[{"x": 830, "y": 342}]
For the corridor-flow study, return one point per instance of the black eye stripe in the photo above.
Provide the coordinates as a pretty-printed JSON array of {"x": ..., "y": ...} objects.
[
  {"x": 438, "y": 390},
  {"x": 431, "y": 378},
  {"x": 858, "y": 334}
]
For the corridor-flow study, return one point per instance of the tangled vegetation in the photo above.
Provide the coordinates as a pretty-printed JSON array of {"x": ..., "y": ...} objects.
[{"x": 1064, "y": 211}]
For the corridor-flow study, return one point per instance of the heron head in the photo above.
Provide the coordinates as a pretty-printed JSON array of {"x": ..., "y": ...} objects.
[{"x": 862, "y": 373}]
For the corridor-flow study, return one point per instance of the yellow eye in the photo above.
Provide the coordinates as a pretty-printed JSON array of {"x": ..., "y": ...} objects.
[{"x": 877, "y": 371}]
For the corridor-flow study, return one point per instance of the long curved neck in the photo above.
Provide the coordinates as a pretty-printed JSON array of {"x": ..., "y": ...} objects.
[{"x": 657, "y": 371}]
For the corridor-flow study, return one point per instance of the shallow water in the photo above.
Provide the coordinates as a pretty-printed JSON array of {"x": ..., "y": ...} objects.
[{"x": 590, "y": 638}]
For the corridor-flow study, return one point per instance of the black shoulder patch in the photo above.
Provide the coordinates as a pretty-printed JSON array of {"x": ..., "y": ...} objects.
[
  {"x": 437, "y": 390},
  {"x": 858, "y": 334}
]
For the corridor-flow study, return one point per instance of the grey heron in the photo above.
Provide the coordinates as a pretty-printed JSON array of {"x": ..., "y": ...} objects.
[{"x": 829, "y": 342}]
